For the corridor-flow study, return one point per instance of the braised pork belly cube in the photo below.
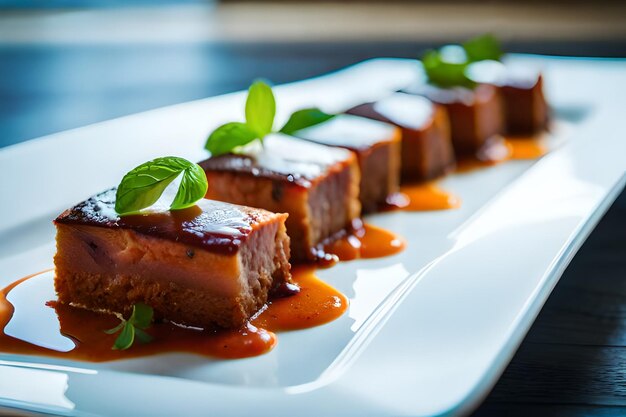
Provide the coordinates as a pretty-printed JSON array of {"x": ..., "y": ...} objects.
[
  {"x": 317, "y": 185},
  {"x": 525, "y": 107},
  {"x": 426, "y": 145},
  {"x": 377, "y": 147},
  {"x": 476, "y": 116},
  {"x": 210, "y": 265},
  {"x": 526, "y": 111}
]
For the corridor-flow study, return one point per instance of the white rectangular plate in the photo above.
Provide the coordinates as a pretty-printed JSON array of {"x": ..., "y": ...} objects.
[{"x": 428, "y": 331}]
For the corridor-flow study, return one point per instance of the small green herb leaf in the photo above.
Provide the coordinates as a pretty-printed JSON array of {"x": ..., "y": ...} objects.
[
  {"x": 445, "y": 74},
  {"x": 142, "y": 316},
  {"x": 229, "y": 136},
  {"x": 125, "y": 338},
  {"x": 144, "y": 185},
  {"x": 193, "y": 186},
  {"x": 260, "y": 108},
  {"x": 447, "y": 66},
  {"x": 142, "y": 336},
  {"x": 116, "y": 328},
  {"x": 302, "y": 119},
  {"x": 260, "y": 112},
  {"x": 482, "y": 48},
  {"x": 140, "y": 319}
]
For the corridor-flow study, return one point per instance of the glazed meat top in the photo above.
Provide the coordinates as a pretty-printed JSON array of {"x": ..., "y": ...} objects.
[
  {"x": 406, "y": 110},
  {"x": 284, "y": 158},
  {"x": 454, "y": 95},
  {"x": 503, "y": 75},
  {"x": 212, "y": 225},
  {"x": 351, "y": 132}
]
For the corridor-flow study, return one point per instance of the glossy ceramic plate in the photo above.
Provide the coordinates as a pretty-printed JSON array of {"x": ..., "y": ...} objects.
[{"x": 427, "y": 332}]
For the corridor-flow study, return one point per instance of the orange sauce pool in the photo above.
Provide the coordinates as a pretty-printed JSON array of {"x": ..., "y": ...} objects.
[
  {"x": 531, "y": 147},
  {"x": 511, "y": 148},
  {"x": 317, "y": 303},
  {"x": 366, "y": 242},
  {"x": 425, "y": 196},
  {"x": 493, "y": 154},
  {"x": 429, "y": 196}
]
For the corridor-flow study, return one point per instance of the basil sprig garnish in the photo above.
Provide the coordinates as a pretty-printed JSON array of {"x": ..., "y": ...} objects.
[
  {"x": 144, "y": 185},
  {"x": 482, "y": 48},
  {"x": 228, "y": 137},
  {"x": 304, "y": 118},
  {"x": 260, "y": 113},
  {"x": 139, "y": 320},
  {"x": 260, "y": 108},
  {"x": 444, "y": 72}
]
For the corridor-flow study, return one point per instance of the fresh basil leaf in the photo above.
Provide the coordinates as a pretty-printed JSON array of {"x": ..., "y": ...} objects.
[
  {"x": 482, "y": 48},
  {"x": 228, "y": 137},
  {"x": 142, "y": 316},
  {"x": 142, "y": 336},
  {"x": 193, "y": 186},
  {"x": 125, "y": 338},
  {"x": 144, "y": 185},
  {"x": 302, "y": 119},
  {"x": 445, "y": 74},
  {"x": 116, "y": 328},
  {"x": 260, "y": 108}
]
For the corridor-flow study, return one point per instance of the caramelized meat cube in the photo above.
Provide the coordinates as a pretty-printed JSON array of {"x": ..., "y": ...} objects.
[
  {"x": 476, "y": 116},
  {"x": 317, "y": 185},
  {"x": 525, "y": 110},
  {"x": 427, "y": 150},
  {"x": 210, "y": 265},
  {"x": 525, "y": 107},
  {"x": 377, "y": 147}
]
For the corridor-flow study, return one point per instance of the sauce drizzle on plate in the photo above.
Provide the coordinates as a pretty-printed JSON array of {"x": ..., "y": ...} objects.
[{"x": 317, "y": 303}]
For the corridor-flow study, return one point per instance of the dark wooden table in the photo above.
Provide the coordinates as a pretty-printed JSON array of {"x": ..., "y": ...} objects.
[{"x": 573, "y": 361}]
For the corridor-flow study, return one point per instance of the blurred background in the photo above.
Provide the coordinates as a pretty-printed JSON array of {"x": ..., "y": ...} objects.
[{"x": 69, "y": 63}]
